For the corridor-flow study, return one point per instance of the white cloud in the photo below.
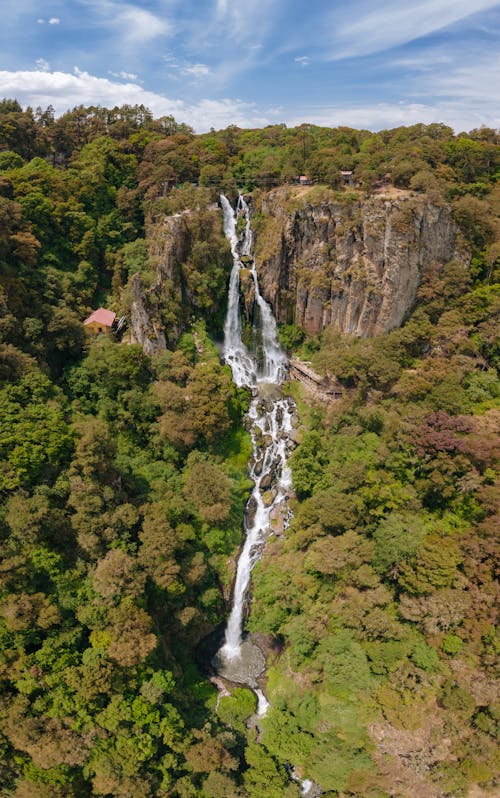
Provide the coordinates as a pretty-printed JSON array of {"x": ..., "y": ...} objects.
[
  {"x": 64, "y": 91},
  {"x": 303, "y": 60},
  {"x": 54, "y": 21},
  {"x": 426, "y": 61},
  {"x": 124, "y": 75},
  {"x": 140, "y": 26},
  {"x": 361, "y": 29},
  {"x": 186, "y": 68},
  {"x": 463, "y": 95},
  {"x": 42, "y": 64},
  {"x": 380, "y": 116},
  {"x": 196, "y": 71},
  {"x": 40, "y": 21}
]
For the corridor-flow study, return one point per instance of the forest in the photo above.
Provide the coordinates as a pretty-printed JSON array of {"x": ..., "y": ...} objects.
[{"x": 123, "y": 480}]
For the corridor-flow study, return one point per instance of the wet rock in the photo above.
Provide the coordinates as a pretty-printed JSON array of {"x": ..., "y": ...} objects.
[
  {"x": 269, "y": 496},
  {"x": 243, "y": 669},
  {"x": 247, "y": 288},
  {"x": 278, "y": 518},
  {"x": 268, "y": 390},
  {"x": 257, "y": 466},
  {"x": 266, "y": 481},
  {"x": 266, "y": 441},
  {"x": 250, "y": 510}
]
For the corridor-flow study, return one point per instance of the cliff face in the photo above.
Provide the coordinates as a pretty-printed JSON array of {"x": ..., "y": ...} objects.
[
  {"x": 355, "y": 265},
  {"x": 153, "y": 320},
  {"x": 352, "y": 263}
]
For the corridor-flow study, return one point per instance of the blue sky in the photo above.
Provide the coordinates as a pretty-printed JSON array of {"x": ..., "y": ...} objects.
[{"x": 365, "y": 63}]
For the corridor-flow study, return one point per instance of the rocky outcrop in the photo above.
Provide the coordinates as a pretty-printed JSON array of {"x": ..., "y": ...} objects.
[
  {"x": 150, "y": 306},
  {"x": 189, "y": 262},
  {"x": 354, "y": 264},
  {"x": 323, "y": 389}
]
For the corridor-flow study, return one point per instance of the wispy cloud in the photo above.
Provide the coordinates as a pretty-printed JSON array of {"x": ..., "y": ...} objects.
[
  {"x": 235, "y": 24},
  {"x": 123, "y": 75},
  {"x": 473, "y": 81},
  {"x": 463, "y": 95},
  {"x": 303, "y": 60},
  {"x": 134, "y": 25},
  {"x": 196, "y": 70},
  {"x": 426, "y": 61},
  {"x": 241, "y": 21},
  {"x": 42, "y": 64},
  {"x": 183, "y": 68},
  {"x": 139, "y": 25},
  {"x": 230, "y": 38},
  {"x": 360, "y": 29}
]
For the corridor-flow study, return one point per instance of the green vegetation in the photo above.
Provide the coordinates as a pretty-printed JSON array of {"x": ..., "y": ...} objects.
[
  {"x": 123, "y": 479},
  {"x": 386, "y": 578}
]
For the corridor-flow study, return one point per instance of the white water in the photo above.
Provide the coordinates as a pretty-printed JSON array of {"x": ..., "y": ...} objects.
[
  {"x": 262, "y": 703},
  {"x": 246, "y": 370},
  {"x": 267, "y": 417},
  {"x": 275, "y": 422}
]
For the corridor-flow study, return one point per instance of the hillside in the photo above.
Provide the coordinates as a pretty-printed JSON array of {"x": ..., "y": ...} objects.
[{"x": 123, "y": 470}]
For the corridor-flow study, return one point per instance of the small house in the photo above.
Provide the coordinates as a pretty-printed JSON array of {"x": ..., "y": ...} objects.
[
  {"x": 346, "y": 177},
  {"x": 100, "y": 321}
]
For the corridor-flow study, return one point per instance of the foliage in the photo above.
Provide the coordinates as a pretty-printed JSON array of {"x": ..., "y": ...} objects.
[{"x": 123, "y": 477}]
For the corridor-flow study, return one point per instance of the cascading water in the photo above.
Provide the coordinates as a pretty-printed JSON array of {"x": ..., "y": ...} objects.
[
  {"x": 269, "y": 420},
  {"x": 235, "y": 352}
]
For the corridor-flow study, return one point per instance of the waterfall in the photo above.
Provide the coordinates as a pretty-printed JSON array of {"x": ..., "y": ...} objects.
[
  {"x": 235, "y": 352},
  {"x": 274, "y": 365},
  {"x": 273, "y": 419},
  {"x": 269, "y": 420}
]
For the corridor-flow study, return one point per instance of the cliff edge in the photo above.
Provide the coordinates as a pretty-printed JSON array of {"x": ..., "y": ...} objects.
[{"x": 347, "y": 261}]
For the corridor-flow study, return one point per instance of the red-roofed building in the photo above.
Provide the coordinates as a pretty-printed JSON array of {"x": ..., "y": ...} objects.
[{"x": 100, "y": 321}]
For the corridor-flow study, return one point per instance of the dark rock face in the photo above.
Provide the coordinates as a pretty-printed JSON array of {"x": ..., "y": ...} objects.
[
  {"x": 168, "y": 244},
  {"x": 145, "y": 325},
  {"x": 354, "y": 265}
]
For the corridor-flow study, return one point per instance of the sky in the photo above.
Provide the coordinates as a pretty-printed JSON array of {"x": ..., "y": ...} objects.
[{"x": 370, "y": 64}]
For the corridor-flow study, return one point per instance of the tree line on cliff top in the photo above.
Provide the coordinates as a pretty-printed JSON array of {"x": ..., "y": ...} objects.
[{"x": 115, "y": 564}]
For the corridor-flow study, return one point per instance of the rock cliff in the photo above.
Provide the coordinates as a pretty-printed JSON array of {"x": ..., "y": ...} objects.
[
  {"x": 323, "y": 259},
  {"x": 352, "y": 263},
  {"x": 152, "y": 316}
]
